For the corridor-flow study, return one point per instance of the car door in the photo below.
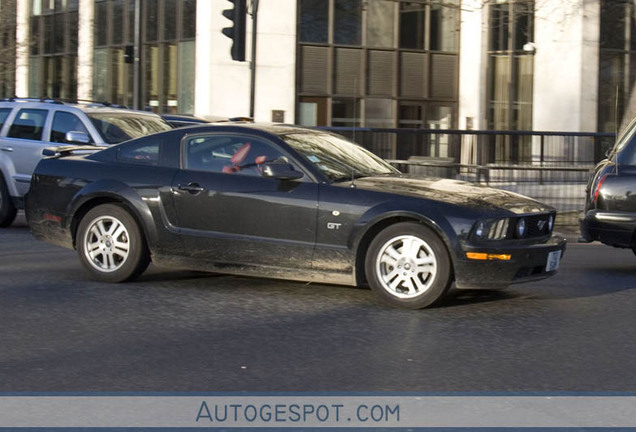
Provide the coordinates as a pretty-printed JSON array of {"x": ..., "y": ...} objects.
[
  {"x": 24, "y": 145},
  {"x": 229, "y": 213},
  {"x": 64, "y": 122}
]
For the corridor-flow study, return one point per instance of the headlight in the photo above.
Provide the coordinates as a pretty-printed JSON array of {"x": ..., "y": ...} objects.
[
  {"x": 480, "y": 230},
  {"x": 492, "y": 230},
  {"x": 521, "y": 228},
  {"x": 550, "y": 223}
]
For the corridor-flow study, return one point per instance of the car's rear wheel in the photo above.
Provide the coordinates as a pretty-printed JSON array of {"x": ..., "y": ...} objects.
[
  {"x": 7, "y": 209},
  {"x": 110, "y": 244},
  {"x": 407, "y": 265}
]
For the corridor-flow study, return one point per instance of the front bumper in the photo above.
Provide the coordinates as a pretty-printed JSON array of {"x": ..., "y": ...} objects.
[
  {"x": 610, "y": 227},
  {"x": 528, "y": 262}
]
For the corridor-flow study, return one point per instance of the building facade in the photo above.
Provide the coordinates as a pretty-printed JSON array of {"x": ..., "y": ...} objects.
[{"x": 553, "y": 65}]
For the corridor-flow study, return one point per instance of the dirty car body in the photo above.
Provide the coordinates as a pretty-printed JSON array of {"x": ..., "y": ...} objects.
[{"x": 287, "y": 202}]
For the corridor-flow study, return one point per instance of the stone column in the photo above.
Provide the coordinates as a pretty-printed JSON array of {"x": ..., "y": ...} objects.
[
  {"x": 22, "y": 50},
  {"x": 85, "y": 49}
]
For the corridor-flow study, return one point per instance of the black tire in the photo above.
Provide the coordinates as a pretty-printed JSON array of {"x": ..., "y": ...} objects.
[
  {"x": 7, "y": 209},
  {"x": 408, "y": 266},
  {"x": 110, "y": 245}
]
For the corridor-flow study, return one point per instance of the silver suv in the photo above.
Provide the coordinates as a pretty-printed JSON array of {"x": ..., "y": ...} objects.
[{"x": 27, "y": 126}]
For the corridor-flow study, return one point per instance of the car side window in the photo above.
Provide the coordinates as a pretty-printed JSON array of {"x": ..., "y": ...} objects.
[
  {"x": 64, "y": 122},
  {"x": 4, "y": 113},
  {"x": 28, "y": 124},
  {"x": 144, "y": 152},
  {"x": 229, "y": 154}
]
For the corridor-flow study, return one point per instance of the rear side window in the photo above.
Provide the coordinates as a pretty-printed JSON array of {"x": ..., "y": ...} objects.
[
  {"x": 64, "y": 122},
  {"x": 4, "y": 113},
  {"x": 145, "y": 152},
  {"x": 28, "y": 124}
]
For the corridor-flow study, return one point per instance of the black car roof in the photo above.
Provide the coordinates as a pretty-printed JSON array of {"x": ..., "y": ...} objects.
[{"x": 274, "y": 129}]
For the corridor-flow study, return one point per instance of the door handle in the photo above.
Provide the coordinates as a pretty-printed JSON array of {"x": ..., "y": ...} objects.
[
  {"x": 193, "y": 188},
  {"x": 7, "y": 149}
]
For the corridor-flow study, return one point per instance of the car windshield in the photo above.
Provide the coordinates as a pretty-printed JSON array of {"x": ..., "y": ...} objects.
[
  {"x": 336, "y": 157},
  {"x": 117, "y": 127}
]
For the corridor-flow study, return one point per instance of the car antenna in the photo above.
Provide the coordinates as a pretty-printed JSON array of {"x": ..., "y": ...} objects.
[
  {"x": 355, "y": 92},
  {"x": 616, "y": 129}
]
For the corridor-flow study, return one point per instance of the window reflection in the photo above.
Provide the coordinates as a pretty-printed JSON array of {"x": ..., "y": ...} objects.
[
  {"x": 348, "y": 22},
  {"x": 314, "y": 21},
  {"x": 189, "y": 19},
  {"x": 379, "y": 113},
  {"x": 380, "y": 17},
  {"x": 412, "y": 25},
  {"x": 151, "y": 10},
  {"x": 170, "y": 20},
  {"x": 345, "y": 112},
  {"x": 444, "y": 28},
  {"x": 499, "y": 27}
]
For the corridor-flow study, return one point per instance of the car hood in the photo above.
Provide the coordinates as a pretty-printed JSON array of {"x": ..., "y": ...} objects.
[{"x": 453, "y": 192}]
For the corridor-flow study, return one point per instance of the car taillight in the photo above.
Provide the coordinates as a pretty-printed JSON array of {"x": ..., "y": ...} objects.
[{"x": 598, "y": 189}]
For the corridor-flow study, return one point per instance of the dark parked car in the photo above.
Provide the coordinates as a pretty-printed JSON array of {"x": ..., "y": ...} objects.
[
  {"x": 610, "y": 206},
  {"x": 181, "y": 120},
  {"x": 286, "y": 202}
]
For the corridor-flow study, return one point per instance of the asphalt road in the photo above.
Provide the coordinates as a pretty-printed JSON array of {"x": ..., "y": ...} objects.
[{"x": 187, "y": 331}]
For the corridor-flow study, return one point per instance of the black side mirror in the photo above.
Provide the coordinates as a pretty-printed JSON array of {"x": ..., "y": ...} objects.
[{"x": 280, "y": 171}]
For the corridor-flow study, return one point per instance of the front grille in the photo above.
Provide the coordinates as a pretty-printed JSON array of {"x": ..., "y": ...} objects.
[
  {"x": 536, "y": 226},
  {"x": 499, "y": 230}
]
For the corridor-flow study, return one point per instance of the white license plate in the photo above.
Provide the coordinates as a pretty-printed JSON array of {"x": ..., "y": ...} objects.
[{"x": 554, "y": 258}]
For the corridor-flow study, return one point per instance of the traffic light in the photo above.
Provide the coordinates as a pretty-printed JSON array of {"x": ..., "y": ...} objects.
[
  {"x": 237, "y": 32},
  {"x": 129, "y": 54}
]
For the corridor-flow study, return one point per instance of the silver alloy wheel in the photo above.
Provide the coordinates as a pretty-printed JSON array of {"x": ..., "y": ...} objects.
[
  {"x": 106, "y": 244},
  {"x": 406, "y": 266}
]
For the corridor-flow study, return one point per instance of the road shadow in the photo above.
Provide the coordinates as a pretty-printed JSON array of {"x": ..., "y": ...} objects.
[
  {"x": 462, "y": 297},
  {"x": 161, "y": 274},
  {"x": 275, "y": 287}
]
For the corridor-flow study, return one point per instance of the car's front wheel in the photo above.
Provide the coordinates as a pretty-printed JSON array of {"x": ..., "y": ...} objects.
[
  {"x": 407, "y": 265},
  {"x": 110, "y": 244},
  {"x": 7, "y": 209}
]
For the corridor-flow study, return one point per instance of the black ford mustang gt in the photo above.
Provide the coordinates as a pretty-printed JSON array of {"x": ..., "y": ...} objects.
[{"x": 286, "y": 202}]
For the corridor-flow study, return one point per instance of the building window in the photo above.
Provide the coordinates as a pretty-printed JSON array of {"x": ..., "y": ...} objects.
[
  {"x": 113, "y": 33},
  {"x": 167, "y": 57},
  {"x": 617, "y": 64},
  {"x": 348, "y": 21},
  {"x": 510, "y": 75},
  {"x": 53, "y": 62},
  {"x": 361, "y": 61}
]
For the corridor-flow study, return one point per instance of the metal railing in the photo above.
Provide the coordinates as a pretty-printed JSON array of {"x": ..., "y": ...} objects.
[{"x": 551, "y": 167}]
